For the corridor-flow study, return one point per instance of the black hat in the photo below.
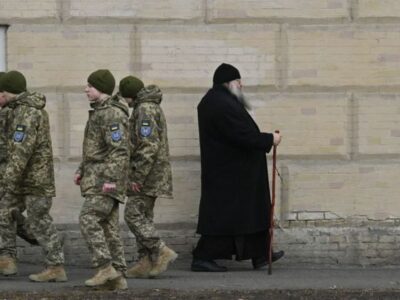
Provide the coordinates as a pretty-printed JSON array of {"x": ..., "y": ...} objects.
[
  {"x": 103, "y": 81},
  {"x": 130, "y": 86},
  {"x": 13, "y": 82},
  {"x": 225, "y": 73}
]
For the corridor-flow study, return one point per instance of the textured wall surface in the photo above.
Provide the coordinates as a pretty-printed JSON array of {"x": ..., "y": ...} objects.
[{"x": 324, "y": 72}]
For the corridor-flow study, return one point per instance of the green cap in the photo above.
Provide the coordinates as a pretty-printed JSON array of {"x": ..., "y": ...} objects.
[
  {"x": 103, "y": 81},
  {"x": 130, "y": 86},
  {"x": 13, "y": 82},
  {"x": 1, "y": 76}
]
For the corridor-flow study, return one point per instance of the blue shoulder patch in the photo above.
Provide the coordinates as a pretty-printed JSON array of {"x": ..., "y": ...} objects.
[
  {"x": 19, "y": 133},
  {"x": 145, "y": 131},
  {"x": 145, "y": 128},
  {"x": 116, "y": 134}
]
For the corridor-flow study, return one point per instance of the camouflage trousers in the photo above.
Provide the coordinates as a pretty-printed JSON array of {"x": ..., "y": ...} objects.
[
  {"x": 22, "y": 229},
  {"x": 139, "y": 216},
  {"x": 38, "y": 222},
  {"x": 99, "y": 222}
]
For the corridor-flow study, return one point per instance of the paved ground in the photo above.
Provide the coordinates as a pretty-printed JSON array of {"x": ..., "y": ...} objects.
[{"x": 240, "y": 283}]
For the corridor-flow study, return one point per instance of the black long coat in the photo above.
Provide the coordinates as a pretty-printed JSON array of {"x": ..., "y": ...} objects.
[{"x": 234, "y": 179}]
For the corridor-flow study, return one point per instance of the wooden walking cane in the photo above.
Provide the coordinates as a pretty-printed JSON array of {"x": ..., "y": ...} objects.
[{"x": 271, "y": 220}]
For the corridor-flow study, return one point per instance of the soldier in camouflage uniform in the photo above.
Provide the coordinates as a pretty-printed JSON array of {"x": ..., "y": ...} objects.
[
  {"x": 102, "y": 176},
  {"x": 22, "y": 231},
  {"x": 29, "y": 170},
  {"x": 150, "y": 175}
]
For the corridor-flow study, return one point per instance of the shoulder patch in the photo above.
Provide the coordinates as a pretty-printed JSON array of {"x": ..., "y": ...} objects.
[
  {"x": 116, "y": 135},
  {"x": 19, "y": 133},
  {"x": 145, "y": 128}
]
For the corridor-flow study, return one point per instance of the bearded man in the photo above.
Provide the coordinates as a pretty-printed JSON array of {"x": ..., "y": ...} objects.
[{"x": 235, "y": 199}]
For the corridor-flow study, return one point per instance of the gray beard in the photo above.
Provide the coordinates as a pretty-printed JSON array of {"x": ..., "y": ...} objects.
[{"x": 241, "y": 98}]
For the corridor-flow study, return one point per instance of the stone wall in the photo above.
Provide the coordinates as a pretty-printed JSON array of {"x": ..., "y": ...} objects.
[{"x": 324, "y": 72}]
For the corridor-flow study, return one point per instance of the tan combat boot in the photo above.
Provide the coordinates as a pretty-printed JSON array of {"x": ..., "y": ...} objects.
[
  {"x": 103, "y": 275},
  {"x": 117, "y": 284},
  {"x": 165, "y": 257},
  {"x": 8, "y": 265},
  {"x": 141, "y": 269},
  {"x": 51, "y": 273}
]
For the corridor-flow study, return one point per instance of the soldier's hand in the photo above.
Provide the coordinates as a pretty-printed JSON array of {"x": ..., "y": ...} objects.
[
  {"x": 109, "y": 187},
  {"x": 277, "y": 138},
  {"x": 136, "y": 187},
  {"x": 77, "y": 179}
]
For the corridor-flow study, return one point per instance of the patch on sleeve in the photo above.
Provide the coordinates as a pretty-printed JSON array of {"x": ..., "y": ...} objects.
[
  {"x": 145, "y": 128},
  {"x": 19, "y": 133},
  {"x": 116, "y": 134}
]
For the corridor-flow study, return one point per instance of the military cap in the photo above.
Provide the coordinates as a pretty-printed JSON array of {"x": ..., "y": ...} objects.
[
  {"x": 13, "y": 82},
  {"x": 103, "y": 81},
  {"x": 130, "y": 86}
]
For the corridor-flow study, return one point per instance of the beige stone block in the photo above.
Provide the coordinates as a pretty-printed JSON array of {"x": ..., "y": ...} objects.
[
  {"x": 259, "y": 9},
  {"x": 310, "y": 215},
  {"x": 311, "y": 124},
  {"x": 345, "y": 189},
  {"x": 378, "y": 8},
  {"x": 187, "y": 56},
  {"x": 186, "y": 194},
  {"x": 332, "y": 56},
  {"x": 138, "y": 9},
  {"x": 68, "y": 202},
  {"x": 77, "y": 116},
  {"x": 181, "y": 114},
  {"x": 65, "y": 55},
  {"x": 17, "y": 10},
  {"x": 378, "y": 124}
]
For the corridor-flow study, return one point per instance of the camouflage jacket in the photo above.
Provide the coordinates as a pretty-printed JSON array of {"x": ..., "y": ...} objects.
[
  {"x": 149, "y": 163},
  {"x": 3, "y": 142},
  {"x": 3, "y": 136},
  {"x": 106, "y": 149},
  {"x": 29, "y": 169}
]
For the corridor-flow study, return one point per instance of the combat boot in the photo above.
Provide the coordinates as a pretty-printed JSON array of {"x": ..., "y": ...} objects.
[
  {"x": 119, "y": 283},
  {"x": 51, "y": 273},
  {"x": 165, "y": 257},
  {"x": 141, "y": 269},
  {"x": 103, "y": 275},
  {"x": 8, "y": 265}
]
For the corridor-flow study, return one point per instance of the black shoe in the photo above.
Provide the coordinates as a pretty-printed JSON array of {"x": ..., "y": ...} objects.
[
  {"x": 199, "y": 265},
  {"x": 277, "y": 255},
  {"x": 260, "y": 262}
]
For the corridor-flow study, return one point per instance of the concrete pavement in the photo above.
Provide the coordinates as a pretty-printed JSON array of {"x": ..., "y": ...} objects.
[{"x": 241, "y": 282}]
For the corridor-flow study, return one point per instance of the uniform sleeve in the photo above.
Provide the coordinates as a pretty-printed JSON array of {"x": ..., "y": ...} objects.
[
  {"x": 80, "y": 169},
  {"x": 147, "y": 143},
  {"x": 21, "y": 145},
  {"x": 116, "y": 137},
  {"x": 3, "y": 134},
  {"x": 236, "y": 129}
]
